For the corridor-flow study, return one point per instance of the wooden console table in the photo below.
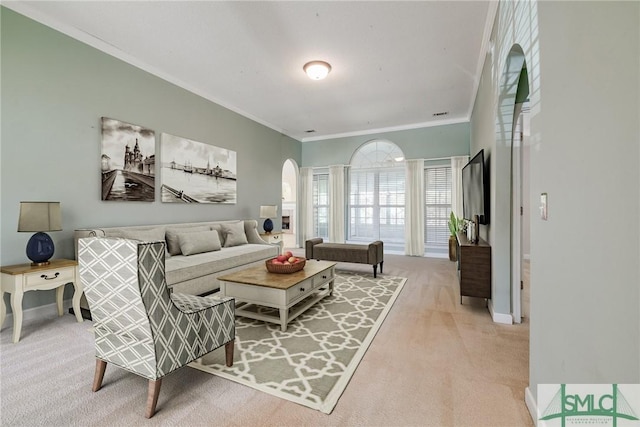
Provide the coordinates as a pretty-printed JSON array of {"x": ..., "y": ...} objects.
[
  {"x": 474, "y": 265},
  {"x": 18, "y": 279}
]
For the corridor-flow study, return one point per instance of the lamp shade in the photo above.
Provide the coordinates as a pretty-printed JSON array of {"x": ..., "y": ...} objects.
[
  {"x": 40, "y": 216},
  {"x": 268, "y": 211}
]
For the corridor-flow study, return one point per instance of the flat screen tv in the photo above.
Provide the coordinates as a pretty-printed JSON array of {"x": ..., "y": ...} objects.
[{"x": 474, "y": 190}]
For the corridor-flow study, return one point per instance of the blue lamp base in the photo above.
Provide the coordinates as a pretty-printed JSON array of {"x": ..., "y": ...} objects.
[
  {"x": 268, "y": 225},
  {"x": 40, "y": 248}
]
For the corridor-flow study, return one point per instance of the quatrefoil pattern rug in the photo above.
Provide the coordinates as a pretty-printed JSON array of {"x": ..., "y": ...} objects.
[{"x": 312, "y": 362}]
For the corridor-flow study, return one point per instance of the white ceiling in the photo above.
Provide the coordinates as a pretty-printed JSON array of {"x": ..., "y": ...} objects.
[{"x": 395, "y": 64}]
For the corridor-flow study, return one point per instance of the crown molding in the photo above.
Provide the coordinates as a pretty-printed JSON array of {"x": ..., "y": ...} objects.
[
  {"x": 24, "y": 9},
  {"x": 484, "y": 49},
  {"x": 387, "y": 129}
]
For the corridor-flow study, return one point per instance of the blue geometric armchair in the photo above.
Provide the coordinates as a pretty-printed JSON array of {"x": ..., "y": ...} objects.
[{"x": 138, "y": 325}]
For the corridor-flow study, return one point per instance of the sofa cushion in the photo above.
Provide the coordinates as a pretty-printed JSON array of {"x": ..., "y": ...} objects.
[
  {"x": 195, "y": 243},
  {"x": 234, "y": 234},
  {"x": 181, "y": 268},
  {"x": 171, "y": 235}
]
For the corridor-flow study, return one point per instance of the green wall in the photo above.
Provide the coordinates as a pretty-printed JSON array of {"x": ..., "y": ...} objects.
[
  {"x": 54, "y": 92},
  {"x": 423, "y": 143}
]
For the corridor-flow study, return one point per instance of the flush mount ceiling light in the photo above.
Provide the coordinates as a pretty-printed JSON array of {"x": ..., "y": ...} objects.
[{"x": 317, "y": 70}]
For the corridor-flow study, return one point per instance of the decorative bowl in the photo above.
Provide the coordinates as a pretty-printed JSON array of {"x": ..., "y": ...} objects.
[{"x": 285, "y": 268}]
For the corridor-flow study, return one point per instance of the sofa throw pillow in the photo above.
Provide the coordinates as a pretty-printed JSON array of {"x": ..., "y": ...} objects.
[
  {"x": 173, "y": 245},
  {"x": 146, "y": 235},
  {"x": 196, "y": 243},
  {"x": 234, "y": 234},
  {"x": 218, "y": 228}
]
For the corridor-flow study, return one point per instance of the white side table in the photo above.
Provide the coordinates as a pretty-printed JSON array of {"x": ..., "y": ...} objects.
[
  {"x": 274, "y": 238},
  {"x": 18, "y": 279}
]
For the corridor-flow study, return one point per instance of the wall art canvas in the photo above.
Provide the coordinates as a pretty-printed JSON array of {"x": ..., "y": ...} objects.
[
  {"x": 128, "y": 162},
  {"x": 195, "y": 172}
]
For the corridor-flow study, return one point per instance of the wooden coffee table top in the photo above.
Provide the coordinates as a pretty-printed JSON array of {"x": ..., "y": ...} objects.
[{"x": 259, "y": 275}]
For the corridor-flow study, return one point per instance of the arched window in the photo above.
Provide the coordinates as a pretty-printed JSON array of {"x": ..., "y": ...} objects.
[
  {"x": 377, "y": 194},
  {"x": 377, "y": 154}
]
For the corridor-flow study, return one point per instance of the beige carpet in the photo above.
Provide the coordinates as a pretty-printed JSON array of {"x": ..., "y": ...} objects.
[{"x": 433, "y": 362}]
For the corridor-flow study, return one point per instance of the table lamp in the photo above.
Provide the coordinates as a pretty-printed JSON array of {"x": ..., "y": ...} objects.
[
  {"x": 40, "y": 217},
  {"x": 267, "y": 212}
]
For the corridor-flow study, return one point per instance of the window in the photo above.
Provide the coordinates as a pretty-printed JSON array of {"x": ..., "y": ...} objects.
[
  {"x": 361, "y": 204},
  {"x": 321, "y": 205},
  {"x": 377, "y": 194},
  {"x": 437, "y": 184}
]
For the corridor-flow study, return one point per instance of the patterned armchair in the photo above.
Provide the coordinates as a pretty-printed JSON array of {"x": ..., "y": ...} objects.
[{"x": 138, "y": 325}]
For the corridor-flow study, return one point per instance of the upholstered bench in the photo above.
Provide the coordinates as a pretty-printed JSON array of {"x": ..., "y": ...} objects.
[{"x": 371, "y": 254}]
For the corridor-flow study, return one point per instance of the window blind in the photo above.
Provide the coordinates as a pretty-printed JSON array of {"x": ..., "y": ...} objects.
[
  {"x": 437, "y": 184},
  {"x": 321, "y": 205},
  {"x": 376, "y": 204}
]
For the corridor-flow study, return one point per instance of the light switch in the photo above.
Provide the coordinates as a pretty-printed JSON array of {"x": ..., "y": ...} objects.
[{"x": 543, "y": 206}]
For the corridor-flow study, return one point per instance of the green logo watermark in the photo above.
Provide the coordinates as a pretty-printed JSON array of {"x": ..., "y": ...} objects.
[{"x": 589, "y": 404}]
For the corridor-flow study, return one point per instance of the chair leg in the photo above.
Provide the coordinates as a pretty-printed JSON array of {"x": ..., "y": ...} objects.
[
  {"x": 228, "y": 350},
  {"x": 101, "y": 365},
  {"x": 375, "y": 271},
  {"x": 381, "y": 262},
  {"x": 152, "y": 397}
]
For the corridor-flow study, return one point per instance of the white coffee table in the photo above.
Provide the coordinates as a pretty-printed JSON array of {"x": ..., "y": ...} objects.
[{"x": 292, "y": 294}]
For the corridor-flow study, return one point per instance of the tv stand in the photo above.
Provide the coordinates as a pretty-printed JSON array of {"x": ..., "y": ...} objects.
[{"x": 474, "y": 267}]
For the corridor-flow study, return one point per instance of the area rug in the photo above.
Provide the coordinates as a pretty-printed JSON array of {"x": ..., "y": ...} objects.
[{"x": 312, "y": 362}]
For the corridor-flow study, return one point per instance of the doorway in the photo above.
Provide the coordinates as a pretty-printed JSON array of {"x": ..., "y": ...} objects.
[
  {"x": 520, "y": 218},
  {"x": 289, "y": 203}
]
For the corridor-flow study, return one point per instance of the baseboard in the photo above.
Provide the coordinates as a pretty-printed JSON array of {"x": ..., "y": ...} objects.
[
  {"x": 507, "y": 319},
  {"x": 531, "y": 405},
  {"x": 37, "y": 312}
]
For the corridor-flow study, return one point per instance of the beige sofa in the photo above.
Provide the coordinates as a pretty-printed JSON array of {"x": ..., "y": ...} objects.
[{"x": 197, "y": 253}]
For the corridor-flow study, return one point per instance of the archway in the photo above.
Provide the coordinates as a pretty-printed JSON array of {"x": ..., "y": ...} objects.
[{"x": 506, "y": 223}]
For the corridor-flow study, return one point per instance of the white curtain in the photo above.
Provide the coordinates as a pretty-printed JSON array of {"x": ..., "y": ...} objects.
[
  {"x": 336, "y": 204},
  {"x": 414, "y": 208},
  {"x": 457, "y": 163},
  {"x": 306, "y": 205}
]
